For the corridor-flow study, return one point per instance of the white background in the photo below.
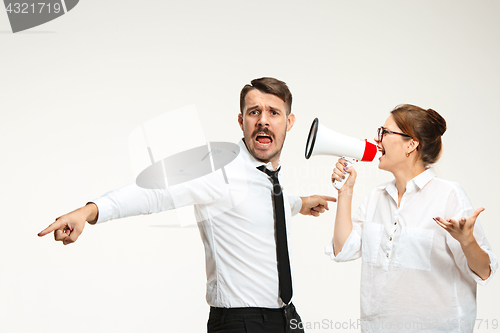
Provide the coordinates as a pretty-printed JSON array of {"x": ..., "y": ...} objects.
[{"x": 72, "y": 90}]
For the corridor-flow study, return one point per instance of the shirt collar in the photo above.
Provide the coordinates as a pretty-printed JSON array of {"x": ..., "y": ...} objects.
[
  {"x": 424, "y": 178},
  {"x": 417, "y": 182},
  {"x": 245, "y": 154}
]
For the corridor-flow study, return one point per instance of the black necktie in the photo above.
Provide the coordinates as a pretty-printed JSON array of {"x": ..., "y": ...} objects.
[{"x": 284, "y": 274}]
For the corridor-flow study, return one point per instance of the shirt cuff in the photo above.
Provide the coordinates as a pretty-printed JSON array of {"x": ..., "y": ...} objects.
[
  {"x": 295, "y": 204},
  {"x": 493, "y": 268},
  {"x": 103, "y": 209},
  {"x": 350, "y": 250}
]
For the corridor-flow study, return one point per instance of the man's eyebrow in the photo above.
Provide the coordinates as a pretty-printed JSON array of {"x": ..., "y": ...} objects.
[
  {"x": 255, "y": 107},
  {"x": 272, "y": 108}
]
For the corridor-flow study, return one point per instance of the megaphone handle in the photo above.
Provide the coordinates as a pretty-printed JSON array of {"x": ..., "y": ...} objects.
[{"x": 338, "y": 184}]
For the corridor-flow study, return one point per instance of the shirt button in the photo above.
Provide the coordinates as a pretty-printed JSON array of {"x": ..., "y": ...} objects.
[
  {"x": 396, "y": 222},
  {"x": 390, "y": 238},
  {"x": 387, "y": 255}
]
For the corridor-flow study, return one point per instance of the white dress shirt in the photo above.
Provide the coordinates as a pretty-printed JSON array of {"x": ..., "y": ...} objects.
[
  {"x": 235, "y": 215},
  {"x": 414, "y": 276}
]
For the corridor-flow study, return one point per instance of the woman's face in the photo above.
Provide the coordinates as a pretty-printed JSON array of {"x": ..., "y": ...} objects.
[{"x": 393, "y": 148}]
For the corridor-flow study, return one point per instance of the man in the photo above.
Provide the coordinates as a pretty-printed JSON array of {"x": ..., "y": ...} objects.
[{"x": 248, "y": 271}]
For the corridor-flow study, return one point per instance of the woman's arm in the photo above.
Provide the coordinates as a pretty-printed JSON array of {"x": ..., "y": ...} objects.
[
  {"x": 462, "y": 230},
  {"x": 343, "y": 222}
]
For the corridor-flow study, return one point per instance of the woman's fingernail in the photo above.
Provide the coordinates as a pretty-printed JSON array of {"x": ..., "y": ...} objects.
[
  {"x": 345, "y": 164},
  {"x": 345, "y": 168}
]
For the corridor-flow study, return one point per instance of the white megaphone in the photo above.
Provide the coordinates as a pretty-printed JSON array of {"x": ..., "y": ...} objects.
[{"x": 324, "y": 141}]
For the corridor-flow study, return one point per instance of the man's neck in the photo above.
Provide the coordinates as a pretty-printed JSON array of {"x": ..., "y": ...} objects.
[{"x": 274, "y": 161}]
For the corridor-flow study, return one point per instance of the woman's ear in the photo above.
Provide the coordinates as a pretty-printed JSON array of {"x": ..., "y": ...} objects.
[{"x": 413, "y": 145}]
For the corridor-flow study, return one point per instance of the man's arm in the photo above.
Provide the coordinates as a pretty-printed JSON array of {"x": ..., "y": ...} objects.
[
  {"x": 67, "y": 228},
  {"x": 315, "y": 204},
  {"x": 132, "y": 200}
]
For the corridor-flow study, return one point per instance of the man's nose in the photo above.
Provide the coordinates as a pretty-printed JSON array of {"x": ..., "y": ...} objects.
[{"x": 263, "y": 119}]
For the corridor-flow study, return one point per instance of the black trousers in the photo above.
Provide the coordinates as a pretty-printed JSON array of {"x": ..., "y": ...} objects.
[{"x": 254, "y": 320}]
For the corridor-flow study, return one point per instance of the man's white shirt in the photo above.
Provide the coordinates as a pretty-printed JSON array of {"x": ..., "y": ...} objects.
[{"x": 235, "y": 214}]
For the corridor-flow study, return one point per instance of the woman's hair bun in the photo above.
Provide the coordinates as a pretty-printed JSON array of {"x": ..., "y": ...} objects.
[{"x": 437, "y": 120}]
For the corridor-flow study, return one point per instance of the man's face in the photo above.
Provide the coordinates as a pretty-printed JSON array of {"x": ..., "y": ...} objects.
[{"x": 264, "y": 124}]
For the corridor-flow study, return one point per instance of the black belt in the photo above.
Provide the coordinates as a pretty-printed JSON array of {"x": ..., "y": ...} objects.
[{"x": 249, "y": 310}]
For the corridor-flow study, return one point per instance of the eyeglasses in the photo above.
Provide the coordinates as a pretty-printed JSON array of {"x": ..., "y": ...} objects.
[{"x": 381, "y": 131}]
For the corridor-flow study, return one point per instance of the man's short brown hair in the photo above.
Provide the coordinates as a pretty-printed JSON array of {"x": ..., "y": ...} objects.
[{"x": 268, "y": 85}]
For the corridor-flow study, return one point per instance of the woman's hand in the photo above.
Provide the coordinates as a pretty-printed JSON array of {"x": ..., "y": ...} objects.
[
  {"x": 462, "y": 230},
  {"x": 339, "y": 173}
]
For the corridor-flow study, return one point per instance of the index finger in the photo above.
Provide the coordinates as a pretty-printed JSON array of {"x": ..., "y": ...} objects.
[
  {"x": 328, "y": 198},
  {"x": 54, "y": 226},
  {"x": 323, "y": 200}
]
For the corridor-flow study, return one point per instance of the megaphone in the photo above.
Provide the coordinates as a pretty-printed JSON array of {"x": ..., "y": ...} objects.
[{"x": 324, "y": 141}]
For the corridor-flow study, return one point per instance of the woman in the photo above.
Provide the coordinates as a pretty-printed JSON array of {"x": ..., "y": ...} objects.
[{"x": 422, "y": 250}]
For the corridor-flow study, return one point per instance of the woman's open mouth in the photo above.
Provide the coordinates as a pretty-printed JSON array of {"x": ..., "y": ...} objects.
[{"x": 381, "y": 150}]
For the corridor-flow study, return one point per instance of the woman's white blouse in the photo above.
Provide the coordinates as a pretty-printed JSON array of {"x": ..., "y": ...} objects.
[{"x": 414, "y": 276}]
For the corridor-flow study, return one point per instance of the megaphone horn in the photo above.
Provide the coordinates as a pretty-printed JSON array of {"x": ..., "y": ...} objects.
[{"x": 324, "y": 141}]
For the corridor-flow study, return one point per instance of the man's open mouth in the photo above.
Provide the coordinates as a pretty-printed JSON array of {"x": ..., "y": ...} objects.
[{"x": 263, "y": 139}]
